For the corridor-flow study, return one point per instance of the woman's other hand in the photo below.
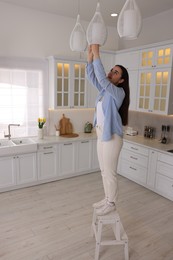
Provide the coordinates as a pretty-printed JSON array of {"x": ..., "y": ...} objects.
[
  {"x": 90, "y": 54},
  {"x": 95, "y": 50}
]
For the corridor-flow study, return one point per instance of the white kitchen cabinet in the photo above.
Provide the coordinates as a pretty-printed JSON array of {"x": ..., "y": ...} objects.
[
  {"x": 7, "y": 172},
  {"x": 164, "y": 175},
  {"x": 18, "y": 169},
  {"x": 47, "y": 162},
  {"x": 67, "y": 158},
  {"x": 128, "y": 59},
  {"x": 83, "y": 160},
  {"x": 108, "y": 60},
  {"x": 152, "y": 166},
  {"x": 26, "y": 168},
  {"x": 159, "y": 56},
  {"x": 134, "y": 162},
  {"x": 67, "y": 83},
  {"x": 155, "y": 92}
]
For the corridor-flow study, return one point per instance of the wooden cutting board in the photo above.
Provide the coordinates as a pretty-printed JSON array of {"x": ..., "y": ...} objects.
[{"x": 66, "y": 127}]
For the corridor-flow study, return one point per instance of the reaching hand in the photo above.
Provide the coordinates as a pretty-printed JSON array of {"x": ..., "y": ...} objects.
[
  {"x": 95, "y": 50},
  {"x": 90, "y": 54}
]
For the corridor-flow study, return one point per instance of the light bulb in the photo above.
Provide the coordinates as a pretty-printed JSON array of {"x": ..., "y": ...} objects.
[
  {"x": 96, "y": 32},
  {"x": 129, "y": 21},
  {"x": 77, "y": 38}
]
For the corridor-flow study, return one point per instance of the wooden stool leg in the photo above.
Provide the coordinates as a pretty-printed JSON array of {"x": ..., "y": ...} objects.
[
  {"x": 126, "y": 250},
  {"x": 98, "y": 240}
]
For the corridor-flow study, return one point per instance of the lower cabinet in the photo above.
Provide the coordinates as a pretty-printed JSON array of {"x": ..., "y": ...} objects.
[
  {"x": 17, "y": 170},
  {"x": 164, "y": 176},
  {"x": 47, "y": 162},
  {"x": 134, "y": 162},
  {"x": 83, "y": 160},
  {"x": 26, "y": 170},
  {"x": 147, "y": 167},
  {"x": 67, "y": 162},
  {"x": 7, "y": 172}
]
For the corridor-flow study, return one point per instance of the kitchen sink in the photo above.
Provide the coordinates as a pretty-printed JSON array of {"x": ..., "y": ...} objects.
[
  {"x": 6, "y": 143},
  {"x": 23, "y": 141},
  {"x": 17, "y": 146}
]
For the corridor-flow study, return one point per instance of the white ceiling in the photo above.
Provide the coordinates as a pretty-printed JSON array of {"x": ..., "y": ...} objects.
[{"x": 87, "y": 8}]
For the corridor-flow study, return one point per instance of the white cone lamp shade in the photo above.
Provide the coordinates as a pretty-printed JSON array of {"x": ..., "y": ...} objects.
[
  {"x": 78, "y": 40},
  {"x": 129, "y": 22},
  {"x": 96, "y": 32}
]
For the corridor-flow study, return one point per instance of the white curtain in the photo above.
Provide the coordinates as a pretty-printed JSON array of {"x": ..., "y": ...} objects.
[{"x": 22, "y": 95}]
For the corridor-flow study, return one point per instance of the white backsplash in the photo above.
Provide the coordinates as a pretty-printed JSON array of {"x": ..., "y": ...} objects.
[{"x": 78, "y": 118}]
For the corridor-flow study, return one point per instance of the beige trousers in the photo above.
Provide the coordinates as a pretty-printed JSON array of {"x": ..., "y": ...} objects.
[{"x": 108, "y": 154}]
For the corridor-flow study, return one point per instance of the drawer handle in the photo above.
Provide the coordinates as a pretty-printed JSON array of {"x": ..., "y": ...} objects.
[
  {"x": 134, "y": 148},
  {"x": 47, "y": 147},
  {"x": 132, "y": 168},
  {"x": 48, "y": 153},
  {"x": 68, "y": 144},
  {"x": 83, "y": 142},
  {"x": 134, "y": 158}
]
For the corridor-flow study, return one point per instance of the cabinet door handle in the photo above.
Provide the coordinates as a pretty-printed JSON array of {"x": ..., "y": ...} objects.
[
  {"x": 48, "y": 153},
  {"x": 133, "y": 168},
  {"x": 134, "y": 158},
  {"x": 134, "y": 148},
  {"x": 47, "y": 147},
  {"x": 68, "y": 144},
  {"x": 83, "y": 142}
]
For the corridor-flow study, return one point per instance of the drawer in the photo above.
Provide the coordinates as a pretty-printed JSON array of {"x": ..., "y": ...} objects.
[
  {"x": 135, "y": 158},
  {"x": 165, "y": 158},
  {"x": 133, "y": 172},
  {"x": 165, "y": 169},
  {"x": 47, "y": 147},
  {"x": 136, "y": 148},
  {"x": 164, "y": 186}
]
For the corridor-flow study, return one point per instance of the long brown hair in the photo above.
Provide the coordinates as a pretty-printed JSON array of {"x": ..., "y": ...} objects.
[{"x": 123, "y": 110}]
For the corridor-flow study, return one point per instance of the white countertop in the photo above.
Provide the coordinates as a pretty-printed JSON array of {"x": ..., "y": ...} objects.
[
  {"x": 138, "y": 139},
  {"x": 151, "y": 143}
]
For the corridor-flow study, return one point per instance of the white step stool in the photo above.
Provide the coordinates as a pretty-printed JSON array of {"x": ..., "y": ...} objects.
[{"x": 118, "y": 230}]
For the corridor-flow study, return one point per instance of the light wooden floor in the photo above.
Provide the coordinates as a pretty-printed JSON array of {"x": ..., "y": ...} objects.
[{"x": 52, "y": 222}]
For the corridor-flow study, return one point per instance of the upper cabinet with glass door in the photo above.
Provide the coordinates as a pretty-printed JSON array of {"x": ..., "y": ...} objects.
[
  {"x": 156, "y": 57},
  {"x": 67, "y": 84},
  {"x": 155, "y": 92}
]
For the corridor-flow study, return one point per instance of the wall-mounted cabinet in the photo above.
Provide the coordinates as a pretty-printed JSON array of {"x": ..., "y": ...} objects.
[
  {"x": 130, "y": 60},
  {"x": 67, "y": 83},
  {"x": 155, "y": 93},
  {"x": 160, "y": 56}
]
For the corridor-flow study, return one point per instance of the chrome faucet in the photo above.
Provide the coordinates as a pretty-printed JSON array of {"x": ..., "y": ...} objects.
[{"x": 9, "y": 132}]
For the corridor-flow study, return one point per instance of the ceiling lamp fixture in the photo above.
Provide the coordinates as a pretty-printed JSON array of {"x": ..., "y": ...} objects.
[
  {"x": 78, "y": 40},
  {"x": 97, "y": 32},
  {"x": 129, "y": 21}
]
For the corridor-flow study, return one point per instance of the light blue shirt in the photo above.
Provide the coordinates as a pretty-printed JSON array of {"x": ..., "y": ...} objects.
[{"x": 112, "y": 101}]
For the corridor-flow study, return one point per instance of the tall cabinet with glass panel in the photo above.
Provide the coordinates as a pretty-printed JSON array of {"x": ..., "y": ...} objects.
[{"x": 155, "y": 79}]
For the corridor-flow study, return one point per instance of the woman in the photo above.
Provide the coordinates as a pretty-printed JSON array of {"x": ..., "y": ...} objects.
[{"x": 111, "y": 114}]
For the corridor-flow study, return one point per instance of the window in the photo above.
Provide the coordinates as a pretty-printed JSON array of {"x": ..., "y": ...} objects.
[{"x": 21, "y": 100}]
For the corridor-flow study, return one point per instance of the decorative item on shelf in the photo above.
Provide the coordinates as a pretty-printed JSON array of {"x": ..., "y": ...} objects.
[
  {"x": 78, "y": 40},
  {"x": 41, "y": 122},
  {"x": 129, "y": 22},
  {"x": 97, "y": 31}
]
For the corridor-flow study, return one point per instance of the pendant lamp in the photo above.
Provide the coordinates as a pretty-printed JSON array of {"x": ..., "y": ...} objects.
[
  {"x": 78, "y": 40},
  {"x": 97, "y": 32},
  {"x": 129, "y": 21}
]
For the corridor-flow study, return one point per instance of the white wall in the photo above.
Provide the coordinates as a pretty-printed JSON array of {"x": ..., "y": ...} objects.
[
  {"x": 155, "y": 29},
  {"x": 29, "y": 33}
]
